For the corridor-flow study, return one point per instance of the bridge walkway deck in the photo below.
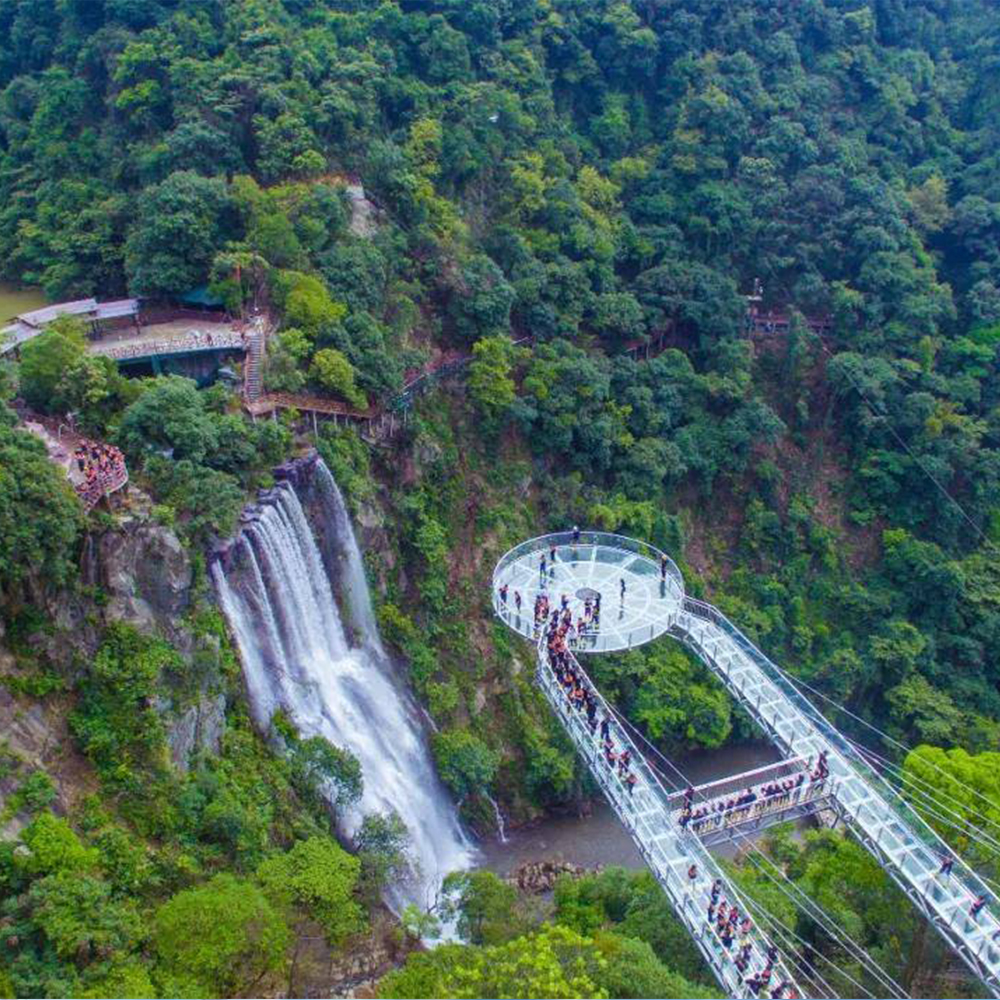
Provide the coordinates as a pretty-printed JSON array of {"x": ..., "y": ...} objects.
[
  {"x": 669, "y": 850},
  {"x": 908, "y": 849}
]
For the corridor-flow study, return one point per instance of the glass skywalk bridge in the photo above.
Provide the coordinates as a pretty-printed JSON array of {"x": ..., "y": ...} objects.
[
  {"x": 668, "y": 850},
  {"x": 906, "y": 847},
  {"x": 654, "y": 604}
]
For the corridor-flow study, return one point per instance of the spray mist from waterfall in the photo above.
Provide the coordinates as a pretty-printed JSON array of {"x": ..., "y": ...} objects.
[{"x": 296, "y": 598}]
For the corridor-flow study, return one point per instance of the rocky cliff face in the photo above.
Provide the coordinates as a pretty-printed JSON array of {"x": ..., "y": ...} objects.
[
  {"x": 145, "y": 573},
  {"x": 136, "y": 572}
]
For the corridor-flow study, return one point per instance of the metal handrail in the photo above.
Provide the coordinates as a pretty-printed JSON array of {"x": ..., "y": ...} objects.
[
  {"x": 587, "y": 539},
  {"x": 711, "y": 790},
  {"x": 721, "y": 961}
]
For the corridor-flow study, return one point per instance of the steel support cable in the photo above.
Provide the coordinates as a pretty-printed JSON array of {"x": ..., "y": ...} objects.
[
  {"x": 958, "y": 857},
  {"x": 796, "y": 961},
  {"x": 799, "y": 683},
  {"x": 941, "y": 803},
  {"x": 635, "y": 730},
  {"x": 671, "y": 781},
  {"x": 884, "y": 416},
  {"x": 843, "y": 939},
  {"x": 815, "y": 912},
  {"x": 915, "y": 779},
  {"x": 788, "y": 938},
  {"x": 638, "y": 732},
  {"x": 974, "y": 833},
  {"x": 806, "y": 944},
  {"x": 943, "y": 819},
  {"x": 628, "y": 725},
  {"x": 789, "y": 952},
  {"x": 795, "y": 951}
]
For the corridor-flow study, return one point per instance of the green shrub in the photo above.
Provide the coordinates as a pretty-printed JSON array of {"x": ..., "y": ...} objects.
[
  {"x": 319, "y": 875},
  {"x": 220, "y": 939}
]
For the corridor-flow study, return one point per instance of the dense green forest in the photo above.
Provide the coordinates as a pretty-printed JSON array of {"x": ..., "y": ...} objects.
[{"x": 577, "y": 195}]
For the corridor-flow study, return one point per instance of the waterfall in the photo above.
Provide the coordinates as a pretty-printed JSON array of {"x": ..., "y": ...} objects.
[
  {"x": 321, "y": 661},
  {"x": 501, "y": 830}
]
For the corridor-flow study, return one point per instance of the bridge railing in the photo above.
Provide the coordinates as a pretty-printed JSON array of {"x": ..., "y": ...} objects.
[
  {"x": 585, "y": 540},
  {"x": 177, "y": 345},
  {"x": 915, "y": 824},
  {"x": 713, "y": 790},
  {"x": 650, "y": 832}
]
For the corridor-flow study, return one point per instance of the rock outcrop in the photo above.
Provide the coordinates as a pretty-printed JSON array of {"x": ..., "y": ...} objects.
[
  {"x": 537, "y": 877},
  {"x": 145, "y": 572},
  {"x": 198, "y": 729}
]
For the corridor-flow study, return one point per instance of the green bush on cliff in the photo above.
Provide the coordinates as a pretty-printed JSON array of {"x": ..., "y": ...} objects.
[
  {"x": 319, "y": 875},
  {"x": 220, "y": 939},
  {"x": 550, "y": 962},
  {"x": 40, "y": 517},
  {"x": 117, "y": 724},
  {"x": 466, "y": 764}
]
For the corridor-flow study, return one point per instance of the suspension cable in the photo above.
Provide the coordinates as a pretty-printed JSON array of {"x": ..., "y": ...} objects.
[
  {"x": 881, "y": 414},
  {"x": 898, "y": 990},
  {"x": 813, "y": 910},
  {"x": 934, "y": 791},
  {"x": 833, "y": 965},
  {"x": 958, "y": 857},
  {"x": 940, "y": 802},
  {"x": 799, "y": 683},
  {"x": 789, "y": 952},
  {"x": 782, "y": 931},
  {"x": 968, "y": 830},
  {"x": 638, "y": 732},
  {"x": 800, "y": 965}
]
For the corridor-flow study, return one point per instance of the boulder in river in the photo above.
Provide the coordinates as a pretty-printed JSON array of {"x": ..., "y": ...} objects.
[{"x": 537, "y": 877}]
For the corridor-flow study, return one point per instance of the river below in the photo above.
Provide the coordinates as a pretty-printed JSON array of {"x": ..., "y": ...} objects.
[
  {"x": 599, "y": 839},
  {"x": 15, "y": 300}
]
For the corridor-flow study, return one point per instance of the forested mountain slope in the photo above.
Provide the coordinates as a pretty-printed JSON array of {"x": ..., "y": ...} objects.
[{"x": 588, "y": 178}]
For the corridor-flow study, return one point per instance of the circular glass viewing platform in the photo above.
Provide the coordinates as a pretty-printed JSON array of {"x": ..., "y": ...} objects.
[{"x": 594, "y": 564}]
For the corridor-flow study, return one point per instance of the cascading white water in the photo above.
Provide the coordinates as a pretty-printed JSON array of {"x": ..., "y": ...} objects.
[
  {"x": 324, "y": 665},
  {"x": 501, "y": 828}
]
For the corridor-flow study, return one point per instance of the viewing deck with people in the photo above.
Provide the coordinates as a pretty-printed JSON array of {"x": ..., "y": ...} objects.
[
  {"x": 95, "y": 469},
  {"x": 593, "y": 592}
]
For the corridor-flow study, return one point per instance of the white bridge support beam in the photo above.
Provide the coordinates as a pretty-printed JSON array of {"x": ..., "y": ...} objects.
[
  {"x": 906, "y": 847},
  {"x": 652, "y": 603},
  {"x": 668, "y": 850}
]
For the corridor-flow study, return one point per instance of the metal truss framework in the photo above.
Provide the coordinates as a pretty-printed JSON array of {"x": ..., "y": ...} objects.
[
  {"x": 668, "y": 850},
  {"x": 899, "y": 839}
]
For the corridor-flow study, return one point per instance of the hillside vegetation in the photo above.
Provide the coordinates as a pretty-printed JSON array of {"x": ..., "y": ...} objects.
[{"x": 602, "y": 183}]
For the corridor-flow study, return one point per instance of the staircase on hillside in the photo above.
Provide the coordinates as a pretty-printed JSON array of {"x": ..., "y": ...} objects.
[{"x": 252, "y": 362}]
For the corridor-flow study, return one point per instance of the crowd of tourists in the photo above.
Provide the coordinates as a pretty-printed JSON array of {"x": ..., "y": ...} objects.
[
  {"x": 751, "y": 802},
  {"x": 102, "y": 467},
  {"x": 579, "y": 693},
  {"x": 586, "y": 624},
  {"x": 733, "y": 927}
]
